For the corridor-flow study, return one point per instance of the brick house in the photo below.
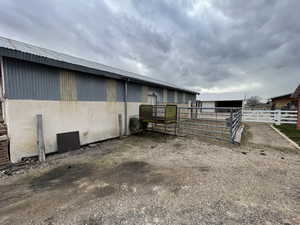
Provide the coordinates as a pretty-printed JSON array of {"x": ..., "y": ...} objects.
[{"x": 297, "y": 95}]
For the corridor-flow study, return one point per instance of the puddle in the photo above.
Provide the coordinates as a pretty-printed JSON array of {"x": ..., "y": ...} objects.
[{"x": 61, "y": 176}]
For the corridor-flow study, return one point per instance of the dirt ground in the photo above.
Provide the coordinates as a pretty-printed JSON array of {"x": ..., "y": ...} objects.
[
  {"x": 156, "y": 179},
  {"x": 263, "y": 134}
]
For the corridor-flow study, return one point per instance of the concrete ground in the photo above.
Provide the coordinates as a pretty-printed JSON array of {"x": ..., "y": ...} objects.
[
  {"x": 263, "y": 134},
  {"x": 155, "y": 179}
]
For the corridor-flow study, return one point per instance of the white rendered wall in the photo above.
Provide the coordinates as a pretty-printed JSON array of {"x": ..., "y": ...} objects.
[{"x": 95, "y": 121}]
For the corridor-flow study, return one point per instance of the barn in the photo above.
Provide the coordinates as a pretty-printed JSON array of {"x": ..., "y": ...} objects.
[
  {"x": 71, "y": 94},
  {"x": 211, "y": 101},
  {"x": 296, "y": 95}
]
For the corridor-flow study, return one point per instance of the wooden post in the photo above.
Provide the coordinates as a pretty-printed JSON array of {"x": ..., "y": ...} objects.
[
  {"x": 120, "y": 125},
  {"x": 40, "y": 138}
]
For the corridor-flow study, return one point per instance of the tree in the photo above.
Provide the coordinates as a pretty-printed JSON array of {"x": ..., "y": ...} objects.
[{"x": 253, "y": 101}]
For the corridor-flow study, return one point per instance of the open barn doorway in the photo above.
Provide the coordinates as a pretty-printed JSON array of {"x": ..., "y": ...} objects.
[{"x": 229, "y": 104}]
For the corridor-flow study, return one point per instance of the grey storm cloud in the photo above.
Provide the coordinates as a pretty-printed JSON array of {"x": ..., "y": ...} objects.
[{"x": 207, "y": 45}]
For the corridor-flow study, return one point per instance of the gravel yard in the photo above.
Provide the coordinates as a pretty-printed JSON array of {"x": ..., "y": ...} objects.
[{"x": 157, "y": 179}]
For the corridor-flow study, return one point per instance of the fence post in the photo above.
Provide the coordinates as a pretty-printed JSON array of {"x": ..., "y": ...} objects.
[
  {"x": 120, "y": 125},
  {"x": 40, "y": 138},
  {"x": 278, "y": 117},
  {"x": 231, "y": 124}
]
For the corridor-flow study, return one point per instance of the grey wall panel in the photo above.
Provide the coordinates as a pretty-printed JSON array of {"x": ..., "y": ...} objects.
[
  {"x": 25, "y": 80},
  {"x": 180, "y": 98},
  {"x": 134, "y": 92},
  {"x": 90, "y": 87},
  {"x": 159, "y": 93},
  {"x": 120, "y": 91},
  {"x": 171, "y": 96},
  {"x": 189, "y": 97}
]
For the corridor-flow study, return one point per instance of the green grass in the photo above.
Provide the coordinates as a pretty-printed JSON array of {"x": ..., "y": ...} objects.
[{"x": 291, "y": 131}]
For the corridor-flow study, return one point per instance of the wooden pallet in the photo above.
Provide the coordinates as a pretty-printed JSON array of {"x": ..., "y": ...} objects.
[{"x": 4, "y": 157}]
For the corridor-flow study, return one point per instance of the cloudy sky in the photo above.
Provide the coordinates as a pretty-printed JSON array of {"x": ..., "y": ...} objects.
[{"x": 215, "y": 46}]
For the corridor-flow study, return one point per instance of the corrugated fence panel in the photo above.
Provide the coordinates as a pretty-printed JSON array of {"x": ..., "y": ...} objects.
[
  {"x": 171, "y": 96},
  {"x": 25, "y": 80},
  {"x": 134, "y": 92},
  {"x": 90, "y": 88},
  {"x": 68, "y": 90}
]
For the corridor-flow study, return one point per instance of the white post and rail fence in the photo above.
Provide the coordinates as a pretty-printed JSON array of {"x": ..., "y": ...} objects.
[{"x": 270, "y": 116}]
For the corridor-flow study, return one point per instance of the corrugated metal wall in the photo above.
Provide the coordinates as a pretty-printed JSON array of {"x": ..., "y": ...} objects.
[
  {"x": 26, "y": 80},
  {"x": 134, "y": 92},
  {"x": 120, "y": 91},
  {"x": 171, "y": 96},
  {"x": 180, "y": 98},
  {"x": 90, "y": 88},
  {"x": 68, "y": 91}
]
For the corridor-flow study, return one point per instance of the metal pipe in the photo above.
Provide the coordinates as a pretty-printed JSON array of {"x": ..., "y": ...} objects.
[{"x": 125, "y": 107}]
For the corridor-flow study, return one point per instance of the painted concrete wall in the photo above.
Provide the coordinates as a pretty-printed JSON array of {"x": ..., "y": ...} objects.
[{"x": 95, "y": 121}]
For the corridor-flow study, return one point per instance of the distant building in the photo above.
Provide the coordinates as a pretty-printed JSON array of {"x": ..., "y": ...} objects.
[
  {"x": 296, "y": 95},
  {"x": 284, "y": 102},
  {"x": 73, "y": 95},
  {"x": 208, "y": 102}
]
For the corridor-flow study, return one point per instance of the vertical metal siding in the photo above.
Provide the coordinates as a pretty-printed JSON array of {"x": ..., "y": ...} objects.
[
  {"x": 25, "y": 80},
  {"x": 111, "y": 90},
  {"x": 134, "y": 92},
  {"x": 90, "y": 87},
  {"x": 120, "y": 91},
  {"x": 180, "y": 98},
  {"x": 189, "y": 97},
  {"x": 68, "y": 90},
  {"x": 171, "y": 96}
]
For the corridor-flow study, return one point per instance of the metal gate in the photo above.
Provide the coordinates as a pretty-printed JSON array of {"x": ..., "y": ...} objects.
[{"x": 217, "y": 123}]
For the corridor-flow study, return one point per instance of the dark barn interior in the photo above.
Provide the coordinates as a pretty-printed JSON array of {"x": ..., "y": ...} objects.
[{"x": 231, "y": 104}]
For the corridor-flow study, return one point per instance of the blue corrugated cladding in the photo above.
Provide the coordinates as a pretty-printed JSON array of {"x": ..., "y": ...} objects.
[
  {"x": 120, "y": 91},
  {"x": 171, "y": 96},
  {"x": 90, "y": 88},
  {"x": 134, "y": 92},
  {"x": 24, "y": 80},
  {"x": 27, "y": 80},
  {"x": 180, "y": 98}
]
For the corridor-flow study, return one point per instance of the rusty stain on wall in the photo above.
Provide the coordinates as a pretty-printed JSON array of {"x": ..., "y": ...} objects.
[
  {"x": 111, "y": 90},
  {"x": 67, "y": 85}
]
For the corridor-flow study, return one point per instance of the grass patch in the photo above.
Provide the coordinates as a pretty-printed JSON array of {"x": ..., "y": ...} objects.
[{"x": 291, "y": 131}]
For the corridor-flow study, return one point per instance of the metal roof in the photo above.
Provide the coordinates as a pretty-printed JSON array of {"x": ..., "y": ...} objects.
[
  {"x": 24, "y": 51},
  {"x": 210, "y": 97}
]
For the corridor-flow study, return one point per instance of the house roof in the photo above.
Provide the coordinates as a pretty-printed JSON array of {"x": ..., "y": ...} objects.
[
  {"x": 296, "y": 94},
  {"x": 209, "y": 97},
  {"x": 282, "y": 96},
  {"x": 28, "y": 52}
]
